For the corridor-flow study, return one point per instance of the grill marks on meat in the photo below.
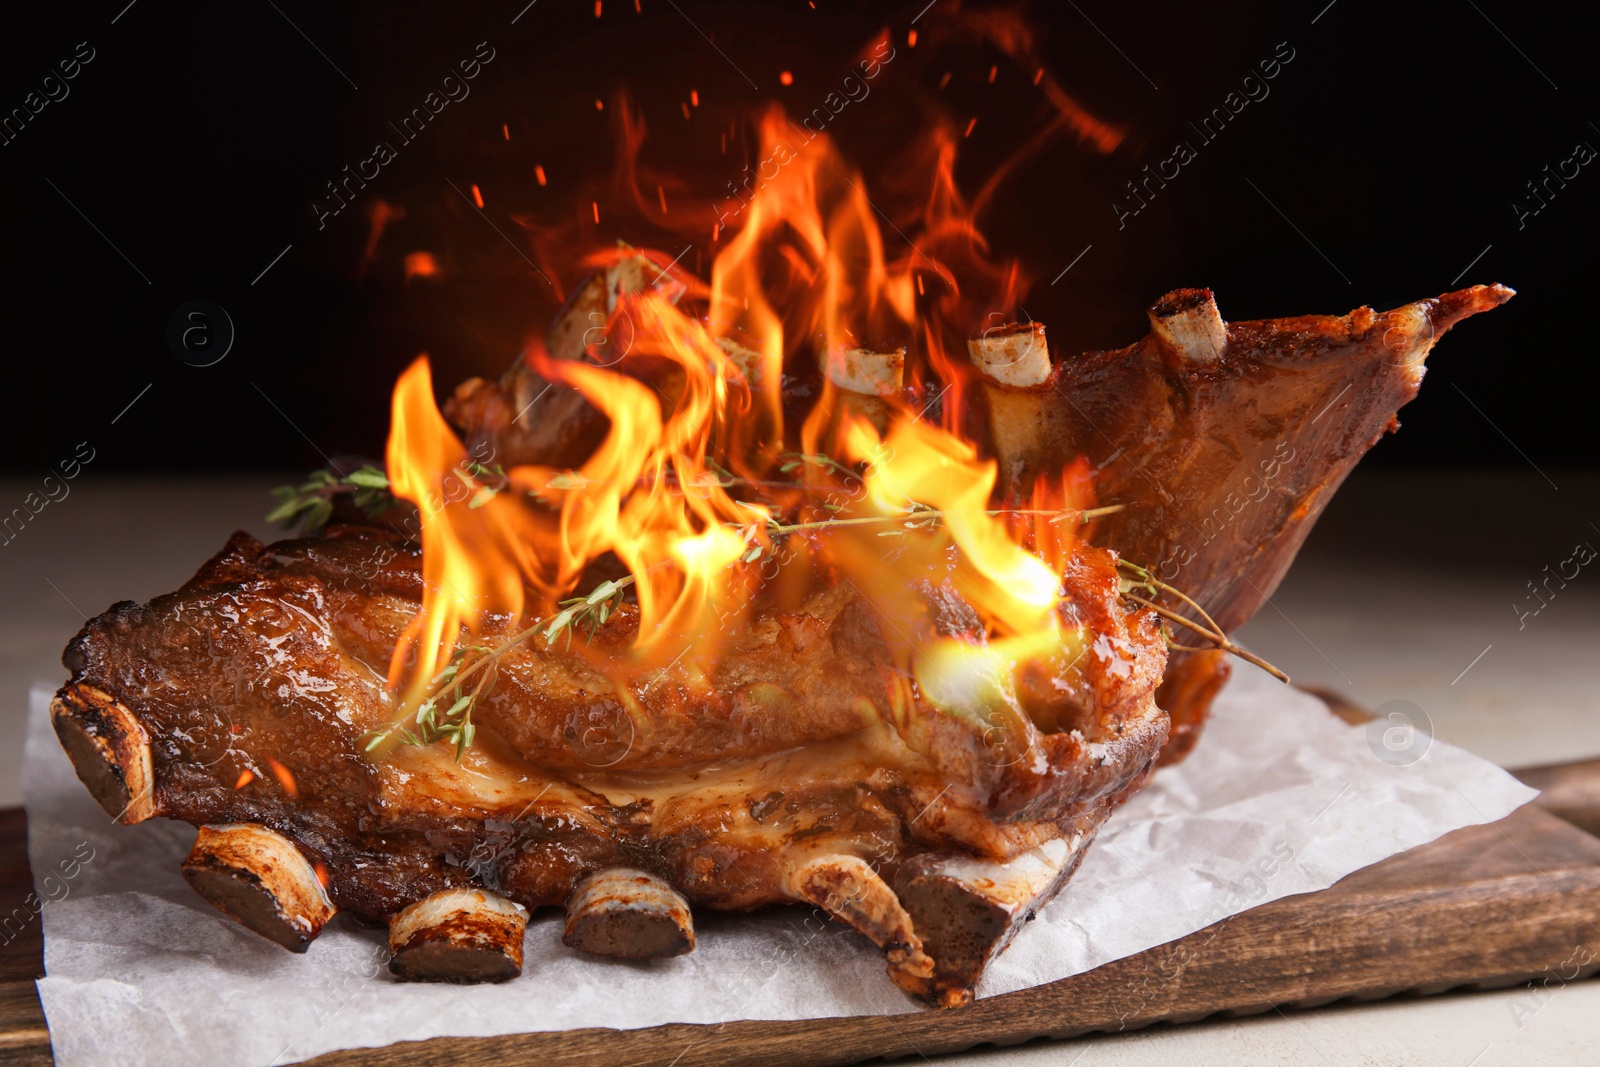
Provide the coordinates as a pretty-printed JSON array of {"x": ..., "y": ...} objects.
[{"x": 806, "y": 743}]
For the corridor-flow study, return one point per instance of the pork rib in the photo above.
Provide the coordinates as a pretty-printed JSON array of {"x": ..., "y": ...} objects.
[
  {"x": 790, "y": 774},
  {"x": 806, "y": 765},
  {"x": 1227, "y": 441}
]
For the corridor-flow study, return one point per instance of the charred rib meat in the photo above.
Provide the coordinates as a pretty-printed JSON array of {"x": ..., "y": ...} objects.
[{"x": 804, "y": 769}]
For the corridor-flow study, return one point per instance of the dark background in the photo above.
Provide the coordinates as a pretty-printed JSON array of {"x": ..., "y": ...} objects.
[{"x": 191, "y": 148}]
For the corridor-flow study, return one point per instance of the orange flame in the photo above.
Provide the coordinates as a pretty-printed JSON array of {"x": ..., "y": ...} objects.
[
  {"x": 692, "y": 473},
  {"x": 645, "y": 495},
  {"x": 1010, "y": 586},
  {"x": 807, "y": 263},
  {"x": 473, "y": 560}
]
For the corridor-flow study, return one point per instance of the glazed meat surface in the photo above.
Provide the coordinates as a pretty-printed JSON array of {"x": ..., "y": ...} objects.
[
  {"x": 1226, "y": 461},
  {"x": 258, "y": 681}
]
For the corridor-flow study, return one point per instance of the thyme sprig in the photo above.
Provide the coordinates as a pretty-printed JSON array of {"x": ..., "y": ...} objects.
[
  {"x": 436, "y": 722},
  {"x": 1141, "y": 578},
  {"x": 448, "y": 690},
  {"x": 309, "y": 505},
  {"x": 486, "y": 481},
  {"x": 588, "y": 612},
  {"x": 793, "y": 461},
  {"x": 922, "y": 517}
]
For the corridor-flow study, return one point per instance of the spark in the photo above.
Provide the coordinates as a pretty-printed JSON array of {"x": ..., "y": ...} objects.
[{"x": 285, "y": 778}]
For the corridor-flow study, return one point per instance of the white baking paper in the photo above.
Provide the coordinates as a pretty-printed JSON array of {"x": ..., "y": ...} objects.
[{"x": 1279, "y": 798}]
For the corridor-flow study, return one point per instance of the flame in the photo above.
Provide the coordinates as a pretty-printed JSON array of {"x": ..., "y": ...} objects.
[
  {"x": 380, "y": 213},
  {"x": 807, "y": 262},
  {"x": 629, "y": 498},
  {"x": 473, "y": 560},
  {"x": 1011, "y": 586},
  {"x": 685, "y": 488}
]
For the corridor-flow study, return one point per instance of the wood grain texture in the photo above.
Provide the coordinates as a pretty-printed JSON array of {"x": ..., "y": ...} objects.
[
  {"x": 1570, "y": 790},
  {"x": 23, "y": 1036},
  {"x": 1485, "y": 906}
]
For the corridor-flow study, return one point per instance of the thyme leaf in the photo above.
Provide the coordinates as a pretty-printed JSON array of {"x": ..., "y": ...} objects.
[{"x": 309, "y": 505}]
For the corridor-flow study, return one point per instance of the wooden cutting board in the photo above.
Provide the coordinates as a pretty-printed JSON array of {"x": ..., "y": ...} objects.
[{"x": 1483, "y": 907}]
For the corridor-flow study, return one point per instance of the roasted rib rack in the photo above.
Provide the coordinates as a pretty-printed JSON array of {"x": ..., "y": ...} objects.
[
  {"x": 786, "y": 777},
  {"x": 806, "y": 766}
]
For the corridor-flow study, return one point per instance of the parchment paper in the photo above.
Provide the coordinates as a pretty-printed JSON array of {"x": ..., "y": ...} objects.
[{"x": 1279, "y": 798}]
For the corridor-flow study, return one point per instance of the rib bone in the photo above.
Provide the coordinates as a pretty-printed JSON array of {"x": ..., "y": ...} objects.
[
  {"x": 591, "y": 304},
  {"x": 109, "y": 750},
  {"x": 861, "y": 370},
  {"x": 628, "y": 914},
  {"x": 967, "y": 910},
  {"x": 458, "y": 935},
  {"x": 748, "y": 360},
  {"x": 1014, "y": 354},
  {"x": 1014, "y": 361},
  {"x": 586, "y": 308},
  {"x": 1188, "y": 321},
  {"x": 258, "y": 877},
  {"x": 864, "y": 377},
  {"x": 847, "y": 888},
  {"x": 524, "y": 418},
  {"x": 636, "y": 273}
]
